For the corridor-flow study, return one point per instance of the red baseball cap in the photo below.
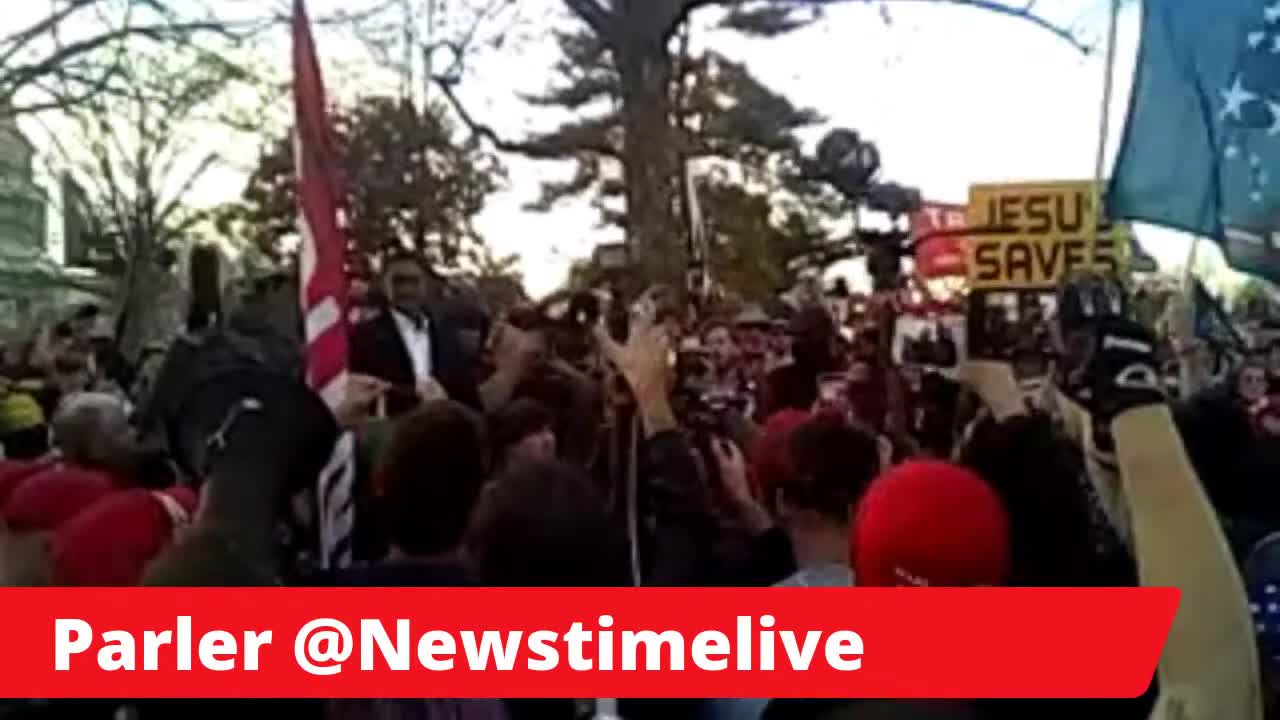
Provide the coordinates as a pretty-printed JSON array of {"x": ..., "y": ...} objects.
[{"x": 930, "y": 523}]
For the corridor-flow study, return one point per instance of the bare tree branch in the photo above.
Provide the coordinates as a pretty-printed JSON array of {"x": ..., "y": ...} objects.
[
  {"x": 19, "y": 40},
  {"x": 528, "y": 148},
  {"x": 26, "y": 61},
  {"x": 1024, "y": 12},
  {"x": 20, "y": 76},
  {"x": 595, "y": 15},
  {"x": 63, "y": 96},
  {"x": 175, "y": 203}
]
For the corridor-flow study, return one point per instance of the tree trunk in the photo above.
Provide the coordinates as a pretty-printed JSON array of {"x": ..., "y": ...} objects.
[
  {"x": 650, "y": 158},
  {"x": 150, "y": 309}
]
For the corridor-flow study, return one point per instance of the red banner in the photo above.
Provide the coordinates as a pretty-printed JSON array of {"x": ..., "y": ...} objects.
[
  {"x": 942, "y": 256},
  {"x": 771, "y": 642}
]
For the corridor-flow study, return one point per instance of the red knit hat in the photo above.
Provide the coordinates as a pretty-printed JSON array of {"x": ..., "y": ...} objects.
[
  {"x": 110, "y": 543},
  {"x": 930, "y": 523},
  {"x": 52, "y": 496},
  {"x": 770, "y": 457}
]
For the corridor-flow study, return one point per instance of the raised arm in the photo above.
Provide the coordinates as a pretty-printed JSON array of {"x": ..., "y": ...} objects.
[{"x": 1209, "y": 669}]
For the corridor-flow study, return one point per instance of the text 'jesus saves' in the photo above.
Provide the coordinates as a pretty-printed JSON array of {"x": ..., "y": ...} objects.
[{"x": 1044, "y": 234}]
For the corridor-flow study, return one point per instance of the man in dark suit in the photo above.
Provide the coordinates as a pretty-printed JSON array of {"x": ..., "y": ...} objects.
[{"x": 410, "y": 345}]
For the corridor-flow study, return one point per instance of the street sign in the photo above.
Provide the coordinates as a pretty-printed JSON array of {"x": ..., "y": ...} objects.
[{"x": 1031, "y": 235}]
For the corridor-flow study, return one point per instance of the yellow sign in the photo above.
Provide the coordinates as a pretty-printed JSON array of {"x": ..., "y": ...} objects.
[{"x": 1037, "y": 234}]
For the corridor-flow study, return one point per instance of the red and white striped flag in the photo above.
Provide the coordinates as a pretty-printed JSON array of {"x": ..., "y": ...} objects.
[{"x": 323, "y": 284}]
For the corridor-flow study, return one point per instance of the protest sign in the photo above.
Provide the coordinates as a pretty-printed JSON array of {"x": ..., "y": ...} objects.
[
  {"x": 939, "y": 255},
  {"x": 1031, "y": 235}
]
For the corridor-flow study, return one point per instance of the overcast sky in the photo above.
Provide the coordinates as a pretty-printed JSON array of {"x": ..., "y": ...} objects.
[{"x": 952, "y": 96}]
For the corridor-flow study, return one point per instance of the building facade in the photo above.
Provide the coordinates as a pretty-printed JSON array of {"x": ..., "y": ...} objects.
[
  {"x": 23, "y": 212},
  {"x": 32, "y": 286}
]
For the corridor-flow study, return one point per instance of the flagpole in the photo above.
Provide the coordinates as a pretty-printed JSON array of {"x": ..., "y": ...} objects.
[
  {"x": 322, "y": 289},
  {"x": 1189, "y": 274},
  {"x": 1108, "y": 89}
]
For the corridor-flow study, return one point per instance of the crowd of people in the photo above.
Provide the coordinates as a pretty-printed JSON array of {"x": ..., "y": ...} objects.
[{"x": 605, "y": 445}]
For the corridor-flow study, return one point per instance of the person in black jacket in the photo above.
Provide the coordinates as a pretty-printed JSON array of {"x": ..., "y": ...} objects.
[
  {"x": 814, "y": 352},
  {"x": 411, "y": 343}
]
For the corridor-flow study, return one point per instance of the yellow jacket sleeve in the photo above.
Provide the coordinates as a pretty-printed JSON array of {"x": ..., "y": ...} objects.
[{"x": 1209, "y": 669}]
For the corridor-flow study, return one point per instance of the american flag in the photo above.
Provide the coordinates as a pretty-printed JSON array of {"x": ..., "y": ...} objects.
[{"x": 324, "y": 285}]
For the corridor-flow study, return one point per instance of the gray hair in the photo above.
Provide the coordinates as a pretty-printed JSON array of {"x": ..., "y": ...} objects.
[{"x": 86, "y": 425}]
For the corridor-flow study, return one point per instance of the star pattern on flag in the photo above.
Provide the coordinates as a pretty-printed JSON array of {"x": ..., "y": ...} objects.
[
  {"x": 1250, "y": 104},
  {"x": 1274, "y": 107},
  {"x": 1266, "y": 610},
  {"x": 1272, "y": 13},
  {"x": 1251, "y": 99},
  {"x": 1234, "y": 99}
]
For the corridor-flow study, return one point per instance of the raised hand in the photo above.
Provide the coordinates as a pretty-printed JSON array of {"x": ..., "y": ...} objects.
[
  {"x": 645, "y": 363},
  {"x": 363, "y": 393},
  {"x": 1108, "y": 364},
  {"x": 732, "y": 469},
  {"x": 430, "y": 391},
  {"x": 644, "y": 360},
  {"x": 1113, "y": 368}
]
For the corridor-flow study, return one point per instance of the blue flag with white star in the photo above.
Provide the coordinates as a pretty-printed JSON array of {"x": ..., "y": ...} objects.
[{"x": 1201, "y": 151}]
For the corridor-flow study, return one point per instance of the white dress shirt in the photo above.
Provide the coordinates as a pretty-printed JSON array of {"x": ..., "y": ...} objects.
[{"x": 417, "y": 340}]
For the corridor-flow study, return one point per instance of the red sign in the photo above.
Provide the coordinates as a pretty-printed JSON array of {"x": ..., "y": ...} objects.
[
  {"x": 583, "y": 642},
  {"x": 941, "y": 256}
]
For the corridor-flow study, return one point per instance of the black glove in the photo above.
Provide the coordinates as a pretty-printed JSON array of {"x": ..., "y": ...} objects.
[
  {"x": 1118, "y": 371},
  {"x": 1109, "y": 361}
]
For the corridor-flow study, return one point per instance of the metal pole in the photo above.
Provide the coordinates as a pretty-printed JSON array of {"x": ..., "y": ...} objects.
[
  {"x": 1104, "y": 132},
  {"x": 1108, "y": 89},
  {"x": 1190, "y": 272}
]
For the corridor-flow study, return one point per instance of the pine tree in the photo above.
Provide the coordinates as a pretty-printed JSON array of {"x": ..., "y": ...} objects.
[{"x": 623, "y": 50}]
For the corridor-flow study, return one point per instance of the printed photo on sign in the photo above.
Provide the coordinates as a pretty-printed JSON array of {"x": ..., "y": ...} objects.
[
  {"x": 1013, "y": 326},
  {"x": 934, "y": 343}
]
